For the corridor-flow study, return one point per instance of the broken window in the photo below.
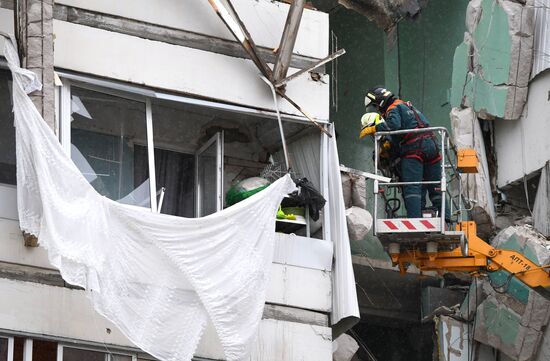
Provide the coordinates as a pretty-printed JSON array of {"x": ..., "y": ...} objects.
[
  {"x": 106, "y": 130},
  {"x": 89, "y": 354},
  {"x": 181, "y": 156}
]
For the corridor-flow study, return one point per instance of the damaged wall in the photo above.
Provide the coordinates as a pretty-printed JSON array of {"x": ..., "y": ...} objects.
[
  {"x": 383, "y": 12},
  {"x": 522, "y": 146},
  {"x": 507, "y": 314},
  {"x": 373, "y": 58},
  {"x": 467, "y": 134},
  {"x": 493, "y": 64},
  {"x": 35, "y": 37}
]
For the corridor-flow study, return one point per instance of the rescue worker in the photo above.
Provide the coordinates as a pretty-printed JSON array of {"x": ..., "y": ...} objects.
[{"x": 419, "y": 152}]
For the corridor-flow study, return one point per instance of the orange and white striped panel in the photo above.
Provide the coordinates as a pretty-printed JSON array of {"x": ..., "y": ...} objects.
[{"x": 408, "y": 225}]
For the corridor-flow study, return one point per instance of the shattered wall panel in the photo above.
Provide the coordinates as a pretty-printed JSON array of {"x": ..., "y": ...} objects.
[
  {"x": 509, "y": 315},
  {"x": 522, "y": 146},
  {"x": 492, "y": 66},
  {"x": 467, "y": 133},
  {"x": 541, "y": 47},
  {"x": 541, "y": 210}
]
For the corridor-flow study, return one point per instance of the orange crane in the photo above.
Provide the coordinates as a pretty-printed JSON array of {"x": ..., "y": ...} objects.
[{"x": 432, "y": 244}]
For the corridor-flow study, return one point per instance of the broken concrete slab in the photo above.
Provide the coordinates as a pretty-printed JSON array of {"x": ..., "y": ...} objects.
[
  {"x": 344, "y": 348},
  {"x": 492, "y": 66},
  {"x": 499, "y": 326},
  {"x": 525, "y": 240},
  {"x": 510, "y": 316},
  {"x": 359, "y": 223},
  {"x": 541, "y": 210},
  {"x": 467, "y": 134}
]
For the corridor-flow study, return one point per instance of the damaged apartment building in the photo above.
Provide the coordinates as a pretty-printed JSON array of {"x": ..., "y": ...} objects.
[
  {"x": 153, "y": 112},
  {"x": 160, "y": 112},
  {"x": 480, "y": 69}
]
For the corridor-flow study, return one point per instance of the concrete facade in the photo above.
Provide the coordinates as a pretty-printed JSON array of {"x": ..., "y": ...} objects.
[{"x": 37, "y": 303}]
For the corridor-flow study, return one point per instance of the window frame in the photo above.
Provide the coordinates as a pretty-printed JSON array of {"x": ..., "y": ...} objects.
[
  {"x": 65, "y": 126},
  {"x": 105, "y": 351},
  {"x": 142, "y": 94}
]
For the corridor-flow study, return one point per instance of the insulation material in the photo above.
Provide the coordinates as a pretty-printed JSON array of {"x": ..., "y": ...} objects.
[
  {"x": 511, "y": 316},
  {"x": 541, "y": 210},
  {"x": 453, "y": 341},
  {"x": 355, "y": 190},
  {"x": 159, "y": 278},
  {"x": 467, "y": 134},
  {"x": 492, "y": 67},
  {"x": 385, "y": 13},
  {"x": 344, "y": 348},
  {"x": 541, "y": 47}
]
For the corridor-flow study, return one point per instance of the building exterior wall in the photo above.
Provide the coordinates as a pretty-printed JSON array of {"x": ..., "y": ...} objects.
[
  {"x": 524, "y": 141},
  {"x": 36, "y": 302}
]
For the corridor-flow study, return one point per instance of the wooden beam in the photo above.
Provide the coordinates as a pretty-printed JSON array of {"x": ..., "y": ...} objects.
[{"x": 286, "y": 46}]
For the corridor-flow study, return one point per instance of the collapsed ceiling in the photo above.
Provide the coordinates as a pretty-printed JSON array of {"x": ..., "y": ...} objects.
[{"x": 385, "y": 13}]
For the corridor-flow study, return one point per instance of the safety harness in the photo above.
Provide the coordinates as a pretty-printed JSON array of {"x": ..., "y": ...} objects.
[{"x": 412, "y": 138}]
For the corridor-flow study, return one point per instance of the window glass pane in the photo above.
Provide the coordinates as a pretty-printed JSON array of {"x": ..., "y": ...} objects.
[
  {"x": 207, "y": 168},
  {"x": 74, "y": 354},
  {"x": 120, "y": 358},
  {"x": 44, "y": 350},
  {"x": 7, "y": 131},
  {"x": 109, "y": 137},
  {"x": 176, "y": 135},
  {"x": 3, "y": 349}
]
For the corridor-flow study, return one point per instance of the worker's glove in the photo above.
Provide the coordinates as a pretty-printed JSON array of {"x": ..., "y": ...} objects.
[{"x": 367, "y": 131}]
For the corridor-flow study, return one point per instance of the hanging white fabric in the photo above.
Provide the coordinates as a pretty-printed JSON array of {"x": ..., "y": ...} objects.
[{"x": 157, "y": 277}]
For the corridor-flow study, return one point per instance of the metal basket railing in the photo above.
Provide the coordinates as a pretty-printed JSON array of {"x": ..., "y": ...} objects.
[{"x": 449, "y": 185}]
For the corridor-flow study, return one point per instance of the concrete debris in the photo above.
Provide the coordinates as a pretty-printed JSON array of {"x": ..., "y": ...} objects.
[
  {"x": 467, "y": 134},
  {"x": 509, "y": 315},
  {"x": 359, "y": 223},
  {"x": 493, "y": 65},
  {"x": 436, "y": 299},
  {"x": 344, "y": 348},
  {"x": 453, "y": 340},
  {"x": 385, "y": 13},
  {"x": 525, "y": 240},
  {"x": 541, "y": 210}
]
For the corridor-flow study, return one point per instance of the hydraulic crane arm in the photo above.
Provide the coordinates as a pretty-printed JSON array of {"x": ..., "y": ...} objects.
[{"x": 477, "y": 255}]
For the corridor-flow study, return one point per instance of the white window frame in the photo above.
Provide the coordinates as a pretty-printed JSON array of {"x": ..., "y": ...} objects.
[
  {"x": 218, "y": 140},
  {"x": 65, "y": 125},
  {"x": 146, "y": 95},
  {"x": 108, "y": 353}
]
